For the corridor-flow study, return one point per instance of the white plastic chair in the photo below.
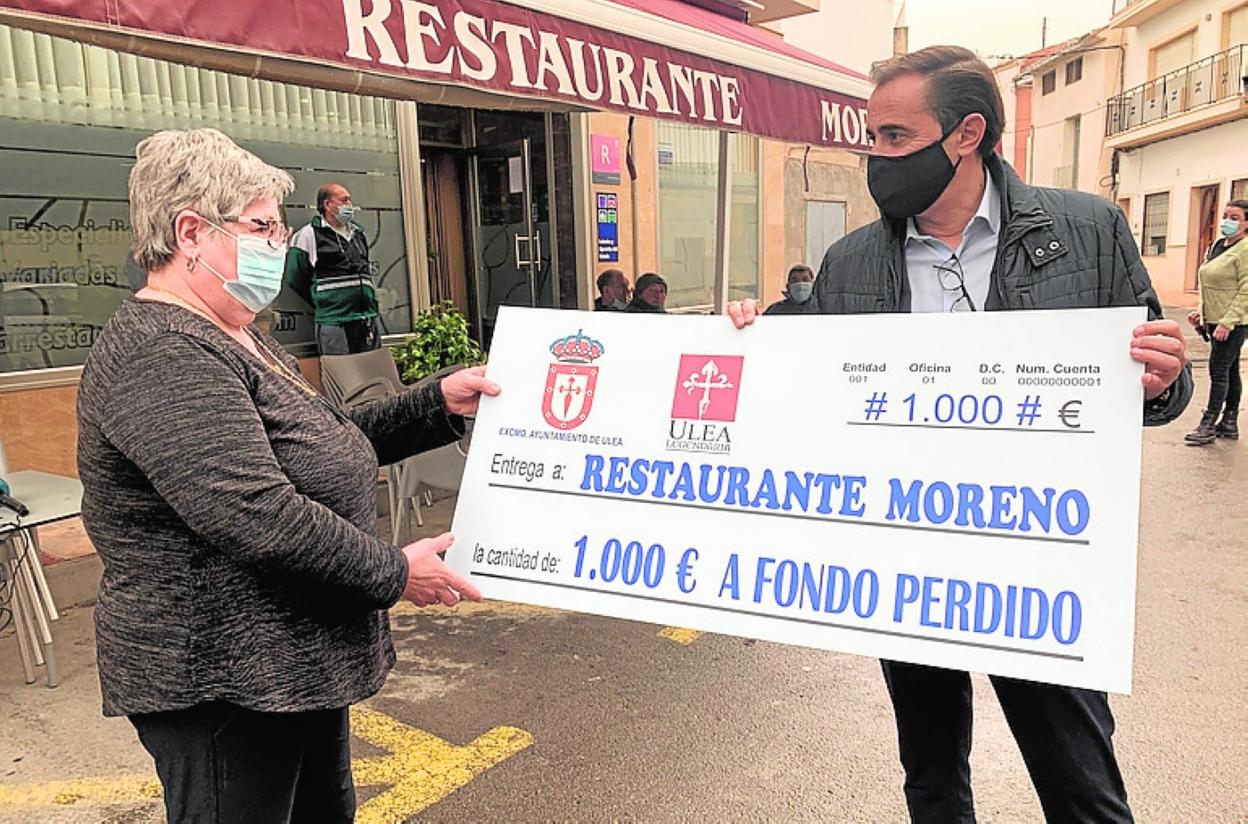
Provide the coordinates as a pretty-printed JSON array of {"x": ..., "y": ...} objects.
[
  {"x": 355, "y": 380},
  {"x": 441, "y": 468}
]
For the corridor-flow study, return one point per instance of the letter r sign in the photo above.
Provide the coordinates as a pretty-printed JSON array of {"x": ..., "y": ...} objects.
[{"x": 605, "y": 151}]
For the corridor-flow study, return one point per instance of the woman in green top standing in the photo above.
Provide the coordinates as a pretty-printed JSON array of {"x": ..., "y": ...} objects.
[{"x": 1223, "y": 315}]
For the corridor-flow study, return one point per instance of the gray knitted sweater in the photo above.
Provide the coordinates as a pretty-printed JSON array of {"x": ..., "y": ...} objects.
[{"x": 236, "y": 519}]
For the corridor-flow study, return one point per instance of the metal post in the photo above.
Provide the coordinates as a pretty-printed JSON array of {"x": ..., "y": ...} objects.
[
  {"x": 39, "y": 611},
  {"x": 552, "y": 213},
  {"x": 723, "y": 219},
  {"x": 413, "y": 200},
  {"x": 583, "y": 211},
  {"x": 8, "y": 573}
]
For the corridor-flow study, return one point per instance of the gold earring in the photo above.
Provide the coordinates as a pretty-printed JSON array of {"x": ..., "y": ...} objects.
[{"x": 190, "y": 264}]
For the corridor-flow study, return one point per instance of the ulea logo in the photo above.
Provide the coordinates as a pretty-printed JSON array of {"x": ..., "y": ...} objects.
[
  {"x": 707, "y": 387},
  {"x": 704, "y": 402}
]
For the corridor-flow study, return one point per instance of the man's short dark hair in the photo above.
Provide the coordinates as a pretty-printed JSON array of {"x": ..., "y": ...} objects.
[
  {"x": 323, "y": 195},
  {"x": 608, "y": 275},
  {"x": 1239, "y": 204},
  {"x": 800, "y": 267},
  {"x": 959, "y": 83}
]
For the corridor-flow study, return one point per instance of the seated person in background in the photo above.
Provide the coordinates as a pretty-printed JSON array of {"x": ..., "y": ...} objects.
[
  {"x": 797, "y": 294},
  {"x": 613, "y": 291},
  {"x": 650, "y": 294}
]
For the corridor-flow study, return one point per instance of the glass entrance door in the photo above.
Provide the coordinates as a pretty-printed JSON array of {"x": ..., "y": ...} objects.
[{"x": 507, "y": 241}]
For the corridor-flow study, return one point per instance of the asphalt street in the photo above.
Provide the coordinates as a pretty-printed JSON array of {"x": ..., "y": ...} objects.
[{"x": 508, "y": 713}]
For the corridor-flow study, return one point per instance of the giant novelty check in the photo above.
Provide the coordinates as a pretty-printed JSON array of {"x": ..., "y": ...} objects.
[{"x": 960, "y": 490}]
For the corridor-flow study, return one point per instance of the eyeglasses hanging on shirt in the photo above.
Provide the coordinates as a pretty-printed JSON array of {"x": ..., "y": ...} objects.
[{"x": 953, "y": 280}]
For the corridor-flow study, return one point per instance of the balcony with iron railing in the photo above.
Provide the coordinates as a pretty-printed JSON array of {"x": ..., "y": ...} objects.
[{"x": 1164, "y": 101}]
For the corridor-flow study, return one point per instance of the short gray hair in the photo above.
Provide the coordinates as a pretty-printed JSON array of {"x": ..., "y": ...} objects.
[{"x": 201, "y": 170}]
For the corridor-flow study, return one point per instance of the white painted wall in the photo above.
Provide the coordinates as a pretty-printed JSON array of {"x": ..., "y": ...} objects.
[
  {"x": 1140, "y": 40},
  {"x": 1216, "y": 155},
  {"x": 855, "y": 39},
  {"x": 1051, "y": 149},
  {"x": 1006, "y": 74}
]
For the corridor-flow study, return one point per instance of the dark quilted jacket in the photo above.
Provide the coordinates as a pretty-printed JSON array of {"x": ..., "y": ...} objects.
[{"x": 1058, "y": 249}]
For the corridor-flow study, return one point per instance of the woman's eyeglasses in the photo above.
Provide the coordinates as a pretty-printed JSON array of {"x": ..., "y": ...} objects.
[{"x": 274, "y": 231}]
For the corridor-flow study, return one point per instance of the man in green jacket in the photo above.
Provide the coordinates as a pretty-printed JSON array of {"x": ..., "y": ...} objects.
[{"x": 328, "y": 266}]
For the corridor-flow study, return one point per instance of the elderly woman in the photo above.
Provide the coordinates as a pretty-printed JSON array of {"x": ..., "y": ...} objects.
[{"x": 243, "y": 604}]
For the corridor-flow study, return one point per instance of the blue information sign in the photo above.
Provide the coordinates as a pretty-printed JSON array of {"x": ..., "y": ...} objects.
[{"x": 608, "y": 228}]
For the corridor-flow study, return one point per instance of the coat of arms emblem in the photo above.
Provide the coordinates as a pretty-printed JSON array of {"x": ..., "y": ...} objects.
[{"x": 570, "y": 383}]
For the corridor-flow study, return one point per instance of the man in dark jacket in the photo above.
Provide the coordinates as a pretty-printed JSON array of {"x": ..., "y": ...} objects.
[
  {"x": 613, "y": 291},
  {"x": 798, "y": 294},
  {"x": 961, "y": 232}
]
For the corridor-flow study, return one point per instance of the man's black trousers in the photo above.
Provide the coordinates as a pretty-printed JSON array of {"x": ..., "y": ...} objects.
[{"x": 1064, "y": 735}]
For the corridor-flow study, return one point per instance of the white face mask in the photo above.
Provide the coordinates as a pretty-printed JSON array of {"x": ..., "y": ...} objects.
[
  {"x": 619, "y": 304},
  {"x": 260, "y": 269},
  {"x": 347, "y": 213},
  {"x": 800, "y": 291}
]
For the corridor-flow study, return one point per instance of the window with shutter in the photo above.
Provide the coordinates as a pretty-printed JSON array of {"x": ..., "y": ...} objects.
[
  {"x": 1156, "y": 223},
  {"x": 1074, "y": 71}
]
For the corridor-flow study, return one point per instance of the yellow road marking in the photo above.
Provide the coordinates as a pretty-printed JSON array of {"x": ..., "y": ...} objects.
[
  {"x": 419, "y": 769},
  {"x": 114, "y": 790},
  {"x": 680, "y": 636}
]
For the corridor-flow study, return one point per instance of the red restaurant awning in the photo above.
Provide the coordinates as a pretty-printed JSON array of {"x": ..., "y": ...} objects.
[{"x": 656, "y": 58}]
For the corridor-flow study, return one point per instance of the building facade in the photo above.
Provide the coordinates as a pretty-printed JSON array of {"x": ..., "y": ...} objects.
[
  {"x": 1148, "y": 111},
  {"x": 1069, "y": 89},
  {"x": 481, "y": 196},
  {"x": 1175, "y": 132}
]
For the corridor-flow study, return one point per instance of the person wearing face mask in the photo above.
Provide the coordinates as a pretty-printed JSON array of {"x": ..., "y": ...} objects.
[
  {"x": 328, "y": 267},
  {"x": 960, "y": 232},
  {"x": 243, "y": 607},
  {"x": 613, "y": 292},
  {"x": 797, "y": 294},
  {"x": 1221, "y": 319},
  {"x": 650, "y": 295}
]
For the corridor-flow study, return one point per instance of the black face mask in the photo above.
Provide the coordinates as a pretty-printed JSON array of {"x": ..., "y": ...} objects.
[{"x": 908, "y": 185}]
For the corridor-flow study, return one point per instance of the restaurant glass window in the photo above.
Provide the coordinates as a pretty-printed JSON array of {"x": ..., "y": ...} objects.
[
  {"x": 688, "y": 180},
  {"x": 743, "y": 256},
  {"x": 688, "y": 163},
  {"x": 70, "y": 118}
]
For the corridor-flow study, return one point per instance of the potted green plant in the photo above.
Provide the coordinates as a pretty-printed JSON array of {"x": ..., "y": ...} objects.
[{"x": 439, "y": 339}]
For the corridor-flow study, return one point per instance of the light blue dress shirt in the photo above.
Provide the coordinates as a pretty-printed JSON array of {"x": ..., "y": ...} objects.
[{"x": 976, "y": 254}]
